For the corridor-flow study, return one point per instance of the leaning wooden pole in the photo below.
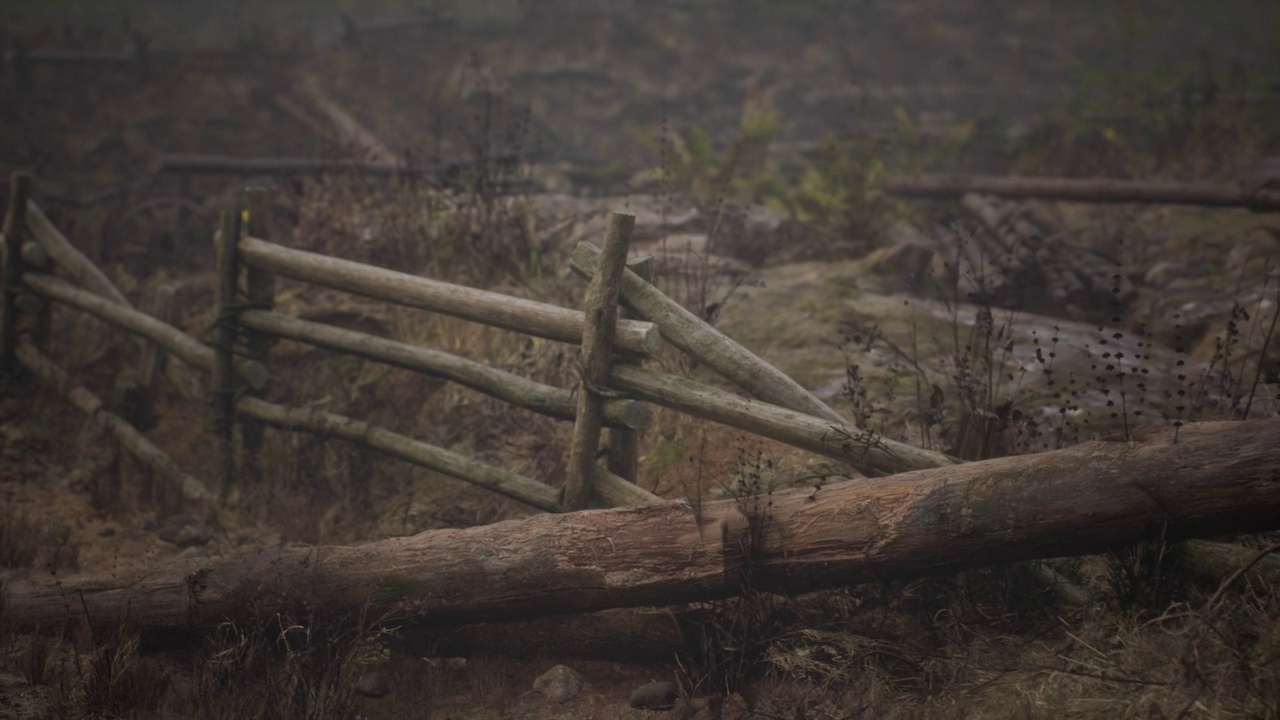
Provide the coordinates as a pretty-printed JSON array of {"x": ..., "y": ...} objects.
[
  {"x": 1203, "y": 480},
  {"x": 866, "y": 451},
  {"x": 124, "y": 433},
  {"x": 706, "y": 344},
  {"x": 78, "y": 267},
  {"x": 185, "y": 347},
  {"x": 601, "y": 306}
]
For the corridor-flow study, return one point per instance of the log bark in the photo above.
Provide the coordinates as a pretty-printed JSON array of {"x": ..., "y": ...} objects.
[
  {"x": 1205, "y": 479},
  {"x": 510, "y": 313},
  {"x": 1103, "y": 190}
]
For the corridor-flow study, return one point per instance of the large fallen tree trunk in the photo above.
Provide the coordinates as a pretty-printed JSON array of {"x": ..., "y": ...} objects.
[{"x": 1206, "y": 479}]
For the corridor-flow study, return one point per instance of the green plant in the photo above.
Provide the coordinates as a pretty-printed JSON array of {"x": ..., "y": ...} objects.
[
  {"x": 840, "y": 184},
  {"x": 691, "y": 165}
]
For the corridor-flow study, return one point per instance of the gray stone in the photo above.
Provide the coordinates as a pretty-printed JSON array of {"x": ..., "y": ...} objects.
[
  {"x": 374, "y": 684},
  {"x": 654, "y": 696},
  {"x": 184, "y": 532},
  {"x": 559, "y": 684}
]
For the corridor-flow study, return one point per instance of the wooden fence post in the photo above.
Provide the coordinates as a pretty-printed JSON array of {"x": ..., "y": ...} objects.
[
  {"x": 624, "y": 443},
  {"x": 261, "y": 295},
  {"x": 601, "y": 307},
  {"x": 15, "y": 223},
  {"x": 223, "y": 387},
  {"x": 164, "y": 309}
]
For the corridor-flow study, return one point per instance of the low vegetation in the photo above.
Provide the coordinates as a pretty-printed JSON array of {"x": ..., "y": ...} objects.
[{"x": 1122, "y": 635}]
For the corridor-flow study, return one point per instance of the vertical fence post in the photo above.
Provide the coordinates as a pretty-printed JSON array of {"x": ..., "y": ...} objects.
[
  {"x": 15, "y": 222},
  {"x": 163, "y": 308},
  {"x": 261, "y": 290},
  {"x": 601, "y": 307},
  {"x": 223, "y": 386},
  {"x": 624, "y": 443}
]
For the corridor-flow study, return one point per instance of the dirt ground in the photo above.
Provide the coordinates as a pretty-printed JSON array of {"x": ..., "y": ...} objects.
[{"x": 532, "y": 117}]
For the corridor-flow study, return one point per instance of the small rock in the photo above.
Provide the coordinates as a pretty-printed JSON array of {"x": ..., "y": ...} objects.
[
  {"x": 735, "y": 707},
  {"x": 559, "y": 684},
  {"x": 1165, "y": 272},
  {"x": 374, "y": 684},
  {"x": 654, "y": 696},
  {"x": 184, "y": 532}
]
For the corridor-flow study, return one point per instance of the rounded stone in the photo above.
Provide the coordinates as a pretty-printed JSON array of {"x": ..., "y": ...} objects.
[
  {"x": 374, "y": 684},
  {"x": 559, "y": 684},
  {"x": 654, "y": 696}
]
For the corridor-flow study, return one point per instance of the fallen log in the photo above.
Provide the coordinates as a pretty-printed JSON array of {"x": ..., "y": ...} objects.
[
  {"x": 359, "y": 138},
  {"x": 1088, "y": 190},
  {"x": 227, "y": 165},
  {"x": 1198, "y": 480},
  {"x": 1213, "y": 563}
]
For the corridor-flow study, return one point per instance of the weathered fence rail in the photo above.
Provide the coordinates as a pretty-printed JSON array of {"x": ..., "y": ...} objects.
[
  {"x": 490, "y": 308},
  {"x": 612, "y": 383},
  {"x": 1079, "y": 500}
]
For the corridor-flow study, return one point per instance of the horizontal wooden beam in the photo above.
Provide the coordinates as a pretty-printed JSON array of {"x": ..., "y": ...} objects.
[
  {"x": 489, "y": 308},
  {"x": 503, "y": 482},
  {"x": 183, "y": 346},
  {"x": 508, "y": 387},
  {"x": 862, "y": 449}
]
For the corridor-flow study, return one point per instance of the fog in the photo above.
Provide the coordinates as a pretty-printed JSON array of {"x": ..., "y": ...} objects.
[{"x": 584, "y": 78}]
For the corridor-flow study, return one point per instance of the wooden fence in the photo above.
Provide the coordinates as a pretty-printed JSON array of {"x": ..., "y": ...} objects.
[{"x": 613, "y": 392}]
